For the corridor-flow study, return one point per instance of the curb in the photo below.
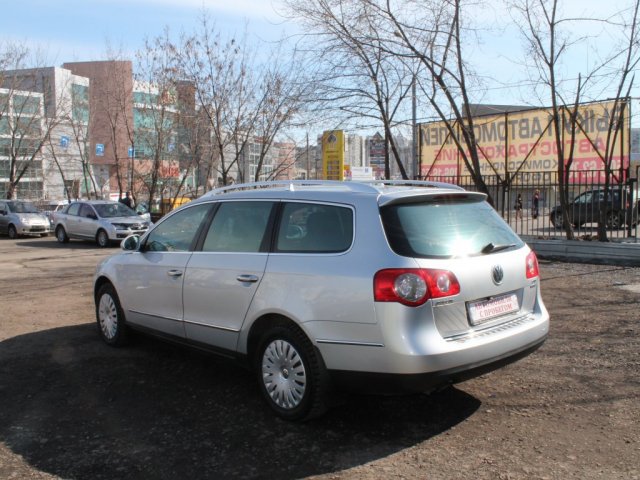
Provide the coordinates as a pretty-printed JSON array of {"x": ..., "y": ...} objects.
[{"x": 607, "y": 253}]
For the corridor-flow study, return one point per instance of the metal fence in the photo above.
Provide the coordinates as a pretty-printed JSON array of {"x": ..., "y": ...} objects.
[{"x": 586, "y": 193}]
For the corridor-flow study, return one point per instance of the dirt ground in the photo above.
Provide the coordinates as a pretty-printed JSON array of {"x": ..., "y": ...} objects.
[{"x": 74, "y": 408}]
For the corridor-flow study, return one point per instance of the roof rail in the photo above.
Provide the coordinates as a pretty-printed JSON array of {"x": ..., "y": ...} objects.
[
  {"x": 292, "y": 185},
  {"x": 414, "y": 183},
  {"x": 366, "y": 186}
]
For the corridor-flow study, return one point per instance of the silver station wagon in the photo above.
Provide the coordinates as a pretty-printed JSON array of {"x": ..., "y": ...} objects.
[{"x": 378, "y": 287}]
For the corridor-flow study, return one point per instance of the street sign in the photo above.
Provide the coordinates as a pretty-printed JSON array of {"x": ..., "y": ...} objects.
[
  {"x": 131, "y": 152},
  {"x": 64, "y": 141},
  {"x": 99, "y": 149}
]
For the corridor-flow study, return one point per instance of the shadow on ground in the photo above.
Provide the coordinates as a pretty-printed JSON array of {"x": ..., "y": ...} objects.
[
  {"x": 51, "y": 242},
  {"x": 76, "y": 408}
]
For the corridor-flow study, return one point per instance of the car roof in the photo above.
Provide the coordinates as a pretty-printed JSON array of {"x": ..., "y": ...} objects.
[
  {"x": 385, "y": 191},
  {"x": 96, "y": 202}
]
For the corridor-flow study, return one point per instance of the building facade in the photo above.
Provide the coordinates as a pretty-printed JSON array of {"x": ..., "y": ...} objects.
[{"x": 43, "y": 125}]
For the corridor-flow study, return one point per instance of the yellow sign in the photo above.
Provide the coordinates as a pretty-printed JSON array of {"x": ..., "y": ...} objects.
[
  {"x": 333, "y": 154},
  {"x": 515, "y": 142}
]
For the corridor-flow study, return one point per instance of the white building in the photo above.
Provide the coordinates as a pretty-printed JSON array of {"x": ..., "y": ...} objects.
[{"x": 44, "y": 117}]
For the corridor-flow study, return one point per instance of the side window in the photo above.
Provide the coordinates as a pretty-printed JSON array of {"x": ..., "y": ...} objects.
[
  {"x": 238, "y": 227},
  {"x": 3, "y": 208},
  {"x": 86, "y": 211},
  {"x": 309, "y": 227},
  {"x": 177, "y": 232},
  {"x": 73, "y": 209}
]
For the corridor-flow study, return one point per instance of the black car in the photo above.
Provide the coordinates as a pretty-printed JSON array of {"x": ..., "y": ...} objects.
[{"x": 585, "y": 208}]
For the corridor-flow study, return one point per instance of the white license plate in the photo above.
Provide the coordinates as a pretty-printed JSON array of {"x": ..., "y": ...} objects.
[{"x": 480, "y": 312}]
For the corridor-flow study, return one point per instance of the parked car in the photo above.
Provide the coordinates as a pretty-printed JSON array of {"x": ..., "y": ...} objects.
[
  {"x": 51, "y": 207},
  {"x": 621, "y": 208},
  {"x": 378, "y": 287},
  {"x": 18, "y": 217},
  {"x": 142, "y": 209},
  {"x": 100, "y": 220}
]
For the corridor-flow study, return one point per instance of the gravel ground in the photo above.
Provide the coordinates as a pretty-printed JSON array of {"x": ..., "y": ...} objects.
[{"x": 73, "y": 408}]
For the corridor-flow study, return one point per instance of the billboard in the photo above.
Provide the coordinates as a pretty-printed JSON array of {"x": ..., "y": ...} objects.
[
  {"x": 333, "y": 154},
  {"x": 524, "y": 142}
]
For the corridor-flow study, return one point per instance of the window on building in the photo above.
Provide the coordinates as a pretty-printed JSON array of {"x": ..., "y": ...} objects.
[
  {"x": 4, "y": 126},
  {"x": 80, "y": 103},
  {"x": 26, "y": 105}
]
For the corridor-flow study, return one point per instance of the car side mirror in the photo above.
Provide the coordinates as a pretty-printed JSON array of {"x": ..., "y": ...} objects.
[{"x": 131, "y": 243}]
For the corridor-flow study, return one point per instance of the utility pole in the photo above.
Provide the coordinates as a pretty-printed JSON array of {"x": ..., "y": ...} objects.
[
  {"x": 308, "y": 164},
  {"x": 414, "y": 128}
]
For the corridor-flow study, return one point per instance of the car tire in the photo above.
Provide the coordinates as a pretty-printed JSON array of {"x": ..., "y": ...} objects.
[
  {"x": 112, "y": 325},
  {"x": 102, "y": 239},
  {"x": 61, "y": 235},
  {"x": 12, "y": 232},
  {"x": 613, "y": 220},
  {"x": 291, "y": 374}
]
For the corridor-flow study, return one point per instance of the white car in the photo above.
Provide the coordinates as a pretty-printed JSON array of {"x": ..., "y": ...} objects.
[
  {"x": 18, "y": 218},
  {"x": 382, "y": 287},
  {"x": 99, "y": 220}
]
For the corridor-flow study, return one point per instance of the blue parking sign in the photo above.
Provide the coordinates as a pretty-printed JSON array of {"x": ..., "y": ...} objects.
[
  {"x": 131, "y": 152},
  {"x": 64, "y": 141},
  {"x": 100, "y": 149}
]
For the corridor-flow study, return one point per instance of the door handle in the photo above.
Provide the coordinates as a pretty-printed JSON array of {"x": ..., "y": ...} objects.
[
  {"x": 247, "y": 278},
  {"x": 175, "y": 273}
]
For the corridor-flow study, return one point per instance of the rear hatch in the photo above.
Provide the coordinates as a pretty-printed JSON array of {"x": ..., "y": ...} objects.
[{"x": 461, "y": 233}]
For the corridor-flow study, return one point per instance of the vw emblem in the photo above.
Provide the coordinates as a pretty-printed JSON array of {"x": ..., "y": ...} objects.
[{"x": 497, "y": 274}]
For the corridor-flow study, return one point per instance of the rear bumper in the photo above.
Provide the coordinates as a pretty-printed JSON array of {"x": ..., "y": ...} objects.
[{"x": 389, "y": 383}]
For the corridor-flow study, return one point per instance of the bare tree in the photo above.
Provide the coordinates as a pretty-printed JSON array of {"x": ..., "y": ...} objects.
[
  {"x": 25, "y": 123},
  {"x": 283, "y": 91},
  {"x": 157, "y": 119},
  {"x": 114, "y": 107},
  {"x": 547, "y": 35},
  {"x": 434, "y": 33},
  {"x": 220, "y": 70},
  {"x": 630, "y": 53},
  {"x": 361, "y": 78},
  {"x": 248, "y": 96},
  {"x": 70, "y": 152}
]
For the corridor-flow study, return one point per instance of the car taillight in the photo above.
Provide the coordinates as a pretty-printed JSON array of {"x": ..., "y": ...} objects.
[
  {"x": 532, "y": 270},
  {"x": 413, "y": 286}
]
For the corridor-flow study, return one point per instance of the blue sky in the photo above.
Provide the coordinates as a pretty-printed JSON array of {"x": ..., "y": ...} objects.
[{"x": 78, "y": 30}]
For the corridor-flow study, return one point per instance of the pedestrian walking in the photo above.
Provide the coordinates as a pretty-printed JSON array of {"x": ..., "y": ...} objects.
[
  {"x": 518, "y": 206},
  {"x": 536, "y": 204}
]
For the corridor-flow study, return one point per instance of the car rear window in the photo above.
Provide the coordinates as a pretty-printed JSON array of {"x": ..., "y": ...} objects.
[{"x": 446, "y": 227}]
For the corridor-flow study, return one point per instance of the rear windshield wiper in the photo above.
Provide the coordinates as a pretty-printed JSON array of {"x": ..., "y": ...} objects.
[{"x": 491, "y": 248}]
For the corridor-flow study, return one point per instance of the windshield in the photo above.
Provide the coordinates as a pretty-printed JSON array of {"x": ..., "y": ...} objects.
[
  {"x": 110, "y": 210},
  {"x": 23, "y": 207},
  {"x": 451, "y": 228}
]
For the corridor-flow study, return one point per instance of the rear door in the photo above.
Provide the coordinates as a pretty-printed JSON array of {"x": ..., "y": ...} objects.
[
  {"x": 71, "y": 219},
  {"x": 222, "y": 278},
  {"x": 87, "y": 226}
]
